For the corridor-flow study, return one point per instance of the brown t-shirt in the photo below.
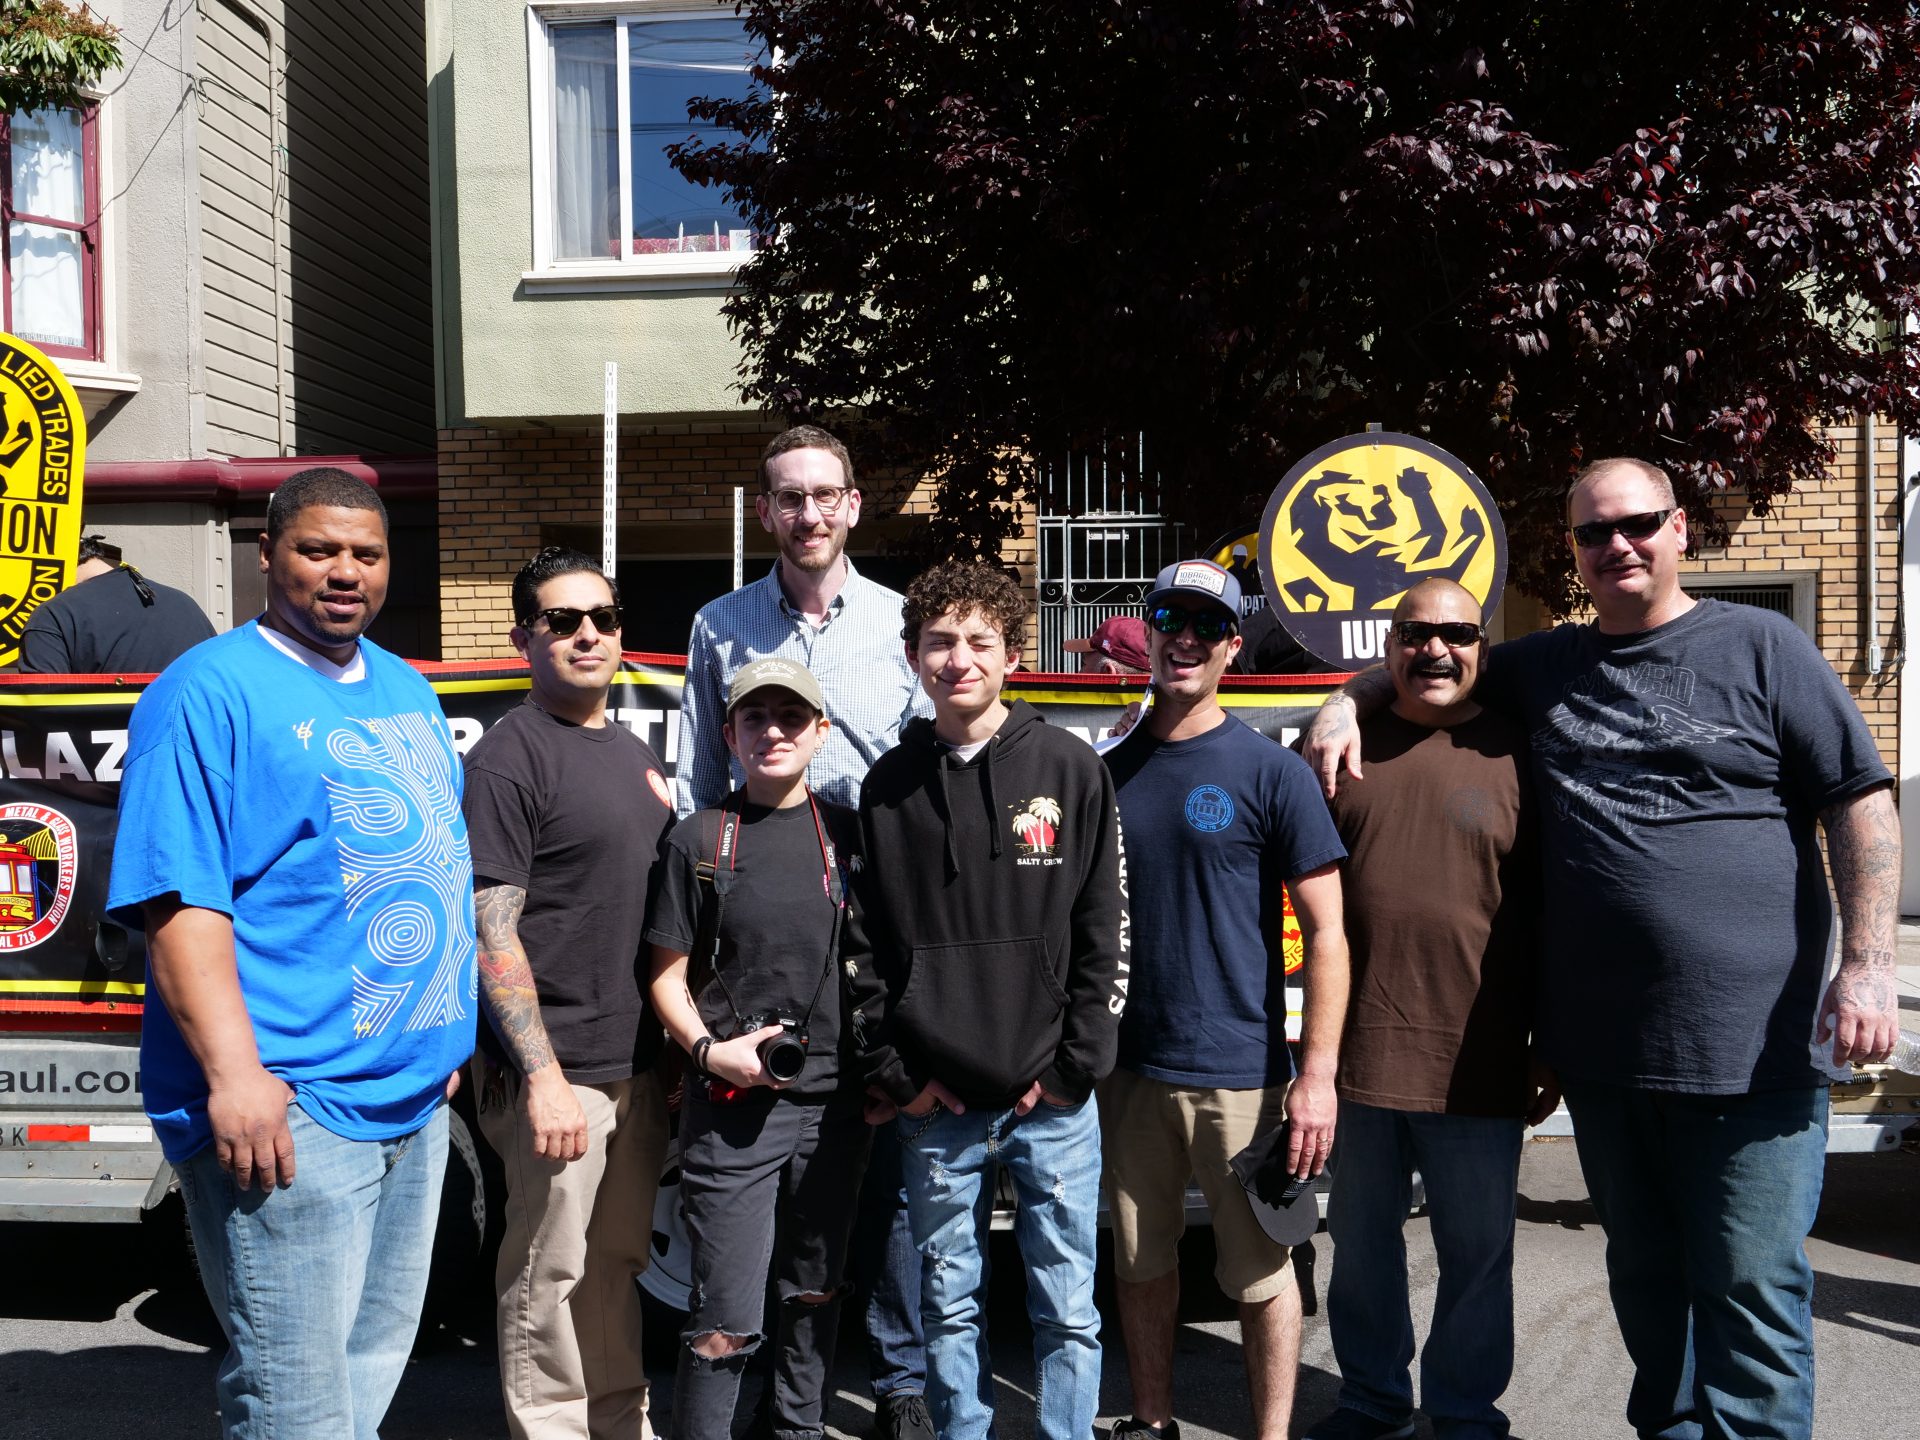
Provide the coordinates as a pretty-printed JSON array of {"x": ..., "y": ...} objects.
[{"x": 1441, "y": 884}]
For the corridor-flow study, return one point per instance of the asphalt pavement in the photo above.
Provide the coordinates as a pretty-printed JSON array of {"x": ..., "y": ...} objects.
[{"x": 103, "y": 1330}]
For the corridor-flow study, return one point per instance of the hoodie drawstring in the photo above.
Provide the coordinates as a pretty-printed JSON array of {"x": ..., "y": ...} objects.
[
  {"x": 946, "y": 815},
  {"x": 993, "y": 805}
]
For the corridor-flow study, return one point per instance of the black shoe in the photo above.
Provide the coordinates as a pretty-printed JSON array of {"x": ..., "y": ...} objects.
[
  {"x": 1345, "y": 1424},
  {"x": 1138, "y": 1429},
  {"x": 903, "y": 1416}
]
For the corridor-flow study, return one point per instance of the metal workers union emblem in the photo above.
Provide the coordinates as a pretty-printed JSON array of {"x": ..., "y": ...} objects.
[
  {"x": 43, "y": 445},
  {"x": 1361, "y": 520},
  {"x": 39, "y": 855}
]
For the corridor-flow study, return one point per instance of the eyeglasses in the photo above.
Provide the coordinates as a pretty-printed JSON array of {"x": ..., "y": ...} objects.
[
  {"x": 1210, "y": 627},
  {"x": 1634, "y": 527},
  {"x": 828, "y": 499},
  {"x": 564, "y": 620},
  {"x": 1456, "y": 634}
]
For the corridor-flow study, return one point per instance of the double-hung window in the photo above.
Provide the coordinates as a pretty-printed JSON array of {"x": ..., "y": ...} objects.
[
  {"x": 53, "y": 231},
  {"x": 610, "y": 91}
]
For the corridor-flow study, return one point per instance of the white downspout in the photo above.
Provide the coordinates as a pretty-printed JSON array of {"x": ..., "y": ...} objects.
[{"x": 1876, "y": 657}]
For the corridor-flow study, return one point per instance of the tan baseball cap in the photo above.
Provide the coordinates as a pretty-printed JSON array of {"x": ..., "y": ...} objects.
[{"x": 774, "y": 673}]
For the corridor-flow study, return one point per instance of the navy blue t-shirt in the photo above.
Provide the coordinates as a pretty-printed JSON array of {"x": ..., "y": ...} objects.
[
  {"x": 1214, "y": 826},
  {"x": 1681, "y": 772}
]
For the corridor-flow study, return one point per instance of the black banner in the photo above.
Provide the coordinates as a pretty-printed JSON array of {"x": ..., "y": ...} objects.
[{"x": 63, "y": 743}]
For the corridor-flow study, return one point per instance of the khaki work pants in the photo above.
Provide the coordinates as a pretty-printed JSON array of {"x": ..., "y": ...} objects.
[{"x": 576, "y": 1235}]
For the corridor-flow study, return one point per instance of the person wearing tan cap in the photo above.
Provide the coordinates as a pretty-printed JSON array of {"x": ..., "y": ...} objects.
[{"x": 745, "y": 925}]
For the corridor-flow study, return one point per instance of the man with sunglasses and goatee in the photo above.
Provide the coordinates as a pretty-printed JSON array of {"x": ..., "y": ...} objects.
[
  {"x": 1682, "y": 751},
  {"x": 1221, "y": 818},
  {"x": 566, "y": 808},
  {"x": 1444, "y": 896}
]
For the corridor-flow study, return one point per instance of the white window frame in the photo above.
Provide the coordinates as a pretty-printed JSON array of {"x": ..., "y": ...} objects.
[{"x": 700, "y": 270}]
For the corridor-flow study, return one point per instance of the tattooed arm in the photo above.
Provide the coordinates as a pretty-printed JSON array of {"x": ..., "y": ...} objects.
[
  {"x": 1861, "y": 1009},
  {"x": 1333, "y": 739},
  {"x": 555, "y": 1122}
]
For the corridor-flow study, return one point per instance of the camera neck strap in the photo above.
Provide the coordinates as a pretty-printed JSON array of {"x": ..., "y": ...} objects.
[{"x": 720, "y": 873}]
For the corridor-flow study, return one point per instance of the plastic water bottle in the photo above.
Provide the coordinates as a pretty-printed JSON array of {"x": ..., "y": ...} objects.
[{"x": 1906, "y": 1053}]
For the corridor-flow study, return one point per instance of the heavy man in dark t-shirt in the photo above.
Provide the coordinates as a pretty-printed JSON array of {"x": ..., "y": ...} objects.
[
  {"x": 1443, "y": 893},
  {"x": 1683, "y": 751},
  {"x": 1221, "y": 819},
  {"x": 566, "y": 809}
]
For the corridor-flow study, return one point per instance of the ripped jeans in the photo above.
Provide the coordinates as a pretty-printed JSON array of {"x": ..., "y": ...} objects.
[
  {"x": 741, "y": 1164},
  {"x": 1053, "y": 1157}
]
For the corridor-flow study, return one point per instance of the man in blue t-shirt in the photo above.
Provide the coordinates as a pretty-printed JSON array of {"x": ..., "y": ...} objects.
[
  {"x": 1683, "y": 751},
  {"x": 1220, "y": 818},
  {"x": 291, "y": 841}
]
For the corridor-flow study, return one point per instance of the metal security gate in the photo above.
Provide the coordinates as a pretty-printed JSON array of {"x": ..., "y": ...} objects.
[{"x": 1101, "y": 541}]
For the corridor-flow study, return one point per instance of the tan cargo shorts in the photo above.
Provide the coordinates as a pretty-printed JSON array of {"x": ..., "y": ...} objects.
[{"x": 1153, "y": 1135}]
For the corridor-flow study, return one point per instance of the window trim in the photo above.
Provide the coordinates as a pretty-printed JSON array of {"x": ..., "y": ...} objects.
[
  {"x": 89, "y": 231},
  {"x": 1803, "y": 587},
  {"x": 699, "y": 270}
]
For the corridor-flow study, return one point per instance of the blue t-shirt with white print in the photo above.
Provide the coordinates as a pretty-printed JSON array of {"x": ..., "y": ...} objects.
[{"x": 323, "y": 817}]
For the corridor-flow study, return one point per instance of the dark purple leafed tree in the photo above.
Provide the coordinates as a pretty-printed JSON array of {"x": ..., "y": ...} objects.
[{"x": 1534, "y": 233}]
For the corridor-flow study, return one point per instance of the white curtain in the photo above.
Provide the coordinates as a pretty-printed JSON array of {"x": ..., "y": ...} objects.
[
  {"x": 586, "y": 194},
  {"x": 49, "y": 178}
]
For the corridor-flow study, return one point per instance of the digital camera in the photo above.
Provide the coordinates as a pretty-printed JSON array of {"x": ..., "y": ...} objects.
[{"x": 784, "y": 1055}]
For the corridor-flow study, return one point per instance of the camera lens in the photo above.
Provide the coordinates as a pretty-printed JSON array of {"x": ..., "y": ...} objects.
[{"x": 784, "y": 1056}]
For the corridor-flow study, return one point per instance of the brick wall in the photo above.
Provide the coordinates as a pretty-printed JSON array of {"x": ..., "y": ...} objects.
[{"x": 1820, "y": 531}]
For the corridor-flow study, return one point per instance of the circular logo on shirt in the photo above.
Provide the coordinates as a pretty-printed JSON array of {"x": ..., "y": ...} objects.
[
  {"x": 39, "y": 854},
  {"x": 659, "y": 787},
  {"x": 1209, "y": 808},
  {"x": 1470, "y": 809}
]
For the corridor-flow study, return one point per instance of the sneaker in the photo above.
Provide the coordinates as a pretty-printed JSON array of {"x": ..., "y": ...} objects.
[
  {"x": 1138, "y": 1429},
  {"x": 1345, "y": 1424},
  {"x": 903, "y": 1416}
]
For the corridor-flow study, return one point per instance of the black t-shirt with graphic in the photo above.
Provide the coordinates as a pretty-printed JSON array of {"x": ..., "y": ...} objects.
[
  {"x": 777, "y": 929},
  {"x": 1680, "y": 773}
]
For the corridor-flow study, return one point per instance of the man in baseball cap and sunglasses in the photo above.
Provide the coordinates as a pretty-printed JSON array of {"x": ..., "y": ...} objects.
[{"x": 1222, "y": 817}]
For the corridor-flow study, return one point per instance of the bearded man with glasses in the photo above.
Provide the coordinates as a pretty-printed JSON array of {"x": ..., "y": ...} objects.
[
  {"x": 1434, "y": 1071},
  {"x": 1220, "y": 818},
  {"x": 1683, "y": 750},
  {"x": 814, "y": 608}
]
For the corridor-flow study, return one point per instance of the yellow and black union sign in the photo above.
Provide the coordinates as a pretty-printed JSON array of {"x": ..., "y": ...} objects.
[
  {"x": 1361, "y": 520},
  {"x": 43, "y": 447}
]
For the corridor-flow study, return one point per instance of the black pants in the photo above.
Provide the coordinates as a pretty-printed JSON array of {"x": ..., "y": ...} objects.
[{"x": 765, "y": 1179}]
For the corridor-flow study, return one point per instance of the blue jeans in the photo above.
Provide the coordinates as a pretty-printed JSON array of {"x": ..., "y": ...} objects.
[
  {"x": 1471, "y": 1167},
  {"x": 886, "y": 1266},
  {"x": 1707, "y": 1201},
  {"x": 318, "y": 1285},
  {"x": 1053, "y": 1156}
]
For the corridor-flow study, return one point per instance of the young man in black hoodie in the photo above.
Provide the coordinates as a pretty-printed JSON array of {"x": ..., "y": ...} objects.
[{"x": 989, "y": 968}]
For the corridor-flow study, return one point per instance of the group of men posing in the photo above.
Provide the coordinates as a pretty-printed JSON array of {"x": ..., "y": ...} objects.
[{"x": 889, "y": 919}]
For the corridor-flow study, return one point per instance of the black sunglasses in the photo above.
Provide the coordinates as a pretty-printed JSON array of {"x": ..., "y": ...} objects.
[
  {"x": 1457, "y": 634},
  {"x": 1210, "y": 627},
  {"x": 564, "y": 620},
  {"x": 1634, "y": 527}
]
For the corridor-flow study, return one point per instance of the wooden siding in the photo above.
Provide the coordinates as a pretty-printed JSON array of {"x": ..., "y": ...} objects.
[{"x": 343, "y": 207}]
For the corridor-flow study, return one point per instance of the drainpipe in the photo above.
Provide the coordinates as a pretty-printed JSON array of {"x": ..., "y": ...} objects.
[{"x": 1876, "y": 658}]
